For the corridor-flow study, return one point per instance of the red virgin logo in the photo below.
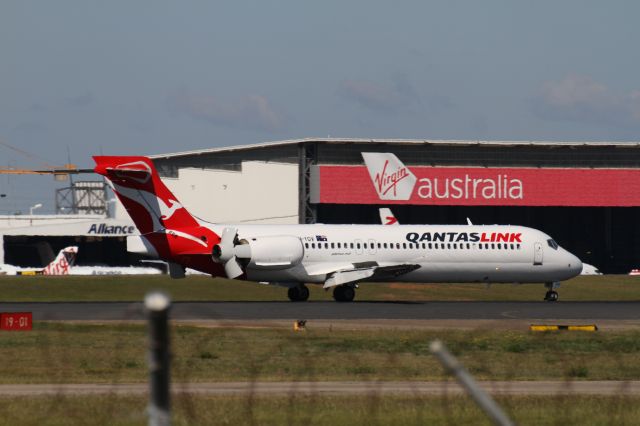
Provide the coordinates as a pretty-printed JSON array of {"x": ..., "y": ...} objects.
[{"x": 385, "y": 182}]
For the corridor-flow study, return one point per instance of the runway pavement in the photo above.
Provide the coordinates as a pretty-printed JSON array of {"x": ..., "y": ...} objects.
[
  {"x": 105, "y": 311},
  {"x": 545, "y": 388}
]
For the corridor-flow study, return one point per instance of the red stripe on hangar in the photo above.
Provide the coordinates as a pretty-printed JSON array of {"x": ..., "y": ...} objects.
[{"x": 482, "y": 186}]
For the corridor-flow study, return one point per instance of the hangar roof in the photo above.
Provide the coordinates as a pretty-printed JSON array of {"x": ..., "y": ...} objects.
[{"x": 442, "y": 142}]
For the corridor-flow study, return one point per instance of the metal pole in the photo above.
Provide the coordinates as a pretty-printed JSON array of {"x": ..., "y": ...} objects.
[
  {"x": 453, "y": 366},
  {"x": 157, "y": 306}
]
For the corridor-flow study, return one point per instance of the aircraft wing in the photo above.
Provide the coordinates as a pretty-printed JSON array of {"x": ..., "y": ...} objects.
[{"x": 367, "y": 270}]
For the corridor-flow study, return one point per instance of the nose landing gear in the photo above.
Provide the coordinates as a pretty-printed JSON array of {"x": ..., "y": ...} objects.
[{"x": 551, "y": 295}]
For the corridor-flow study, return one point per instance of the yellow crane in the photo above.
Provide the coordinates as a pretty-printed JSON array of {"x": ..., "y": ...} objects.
[{"x": 59, "y": 173}]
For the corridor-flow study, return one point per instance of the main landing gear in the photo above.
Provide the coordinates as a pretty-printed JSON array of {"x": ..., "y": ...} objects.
[
  {"x": 344, "y": 293},
  {"x": 551, "y": 295},
  {"x": 299, "y": 293}
]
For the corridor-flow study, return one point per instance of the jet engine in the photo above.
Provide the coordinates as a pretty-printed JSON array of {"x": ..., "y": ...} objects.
[{"x": 270, "y": 253}]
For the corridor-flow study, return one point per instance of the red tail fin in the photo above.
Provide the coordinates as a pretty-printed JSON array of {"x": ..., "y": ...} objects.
[{"x": 148, "y": 201}]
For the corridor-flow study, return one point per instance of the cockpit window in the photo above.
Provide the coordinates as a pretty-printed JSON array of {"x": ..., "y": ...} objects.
[{"x": 552, "y": 244}]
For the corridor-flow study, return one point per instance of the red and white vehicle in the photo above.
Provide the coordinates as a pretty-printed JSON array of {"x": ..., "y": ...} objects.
[{"x": 334, "y": 256}]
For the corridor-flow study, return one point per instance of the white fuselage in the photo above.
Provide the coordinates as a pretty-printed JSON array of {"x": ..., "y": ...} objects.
[{"x": 444, "y": 253}]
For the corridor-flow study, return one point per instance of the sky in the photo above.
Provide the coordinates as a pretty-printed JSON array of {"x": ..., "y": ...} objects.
[{"x": 80, "y": 78}]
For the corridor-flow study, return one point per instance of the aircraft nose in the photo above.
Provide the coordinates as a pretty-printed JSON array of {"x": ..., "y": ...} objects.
[{"x": 574, "y": 264}]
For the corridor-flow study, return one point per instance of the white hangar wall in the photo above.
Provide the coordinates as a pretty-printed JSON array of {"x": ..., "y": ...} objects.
[{"x": 261, "y": 192}]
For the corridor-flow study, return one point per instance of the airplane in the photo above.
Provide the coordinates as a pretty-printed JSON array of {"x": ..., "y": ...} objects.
[
  {"x": 338, "y": 257},
  {"x": 590, "y": 270},
  {"x": 59, "y": 266},
  {"x": 387, "y": 217},
  {"x": 64, "y": 264}
]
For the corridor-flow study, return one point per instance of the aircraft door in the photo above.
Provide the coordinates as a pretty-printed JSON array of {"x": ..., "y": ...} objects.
[{"x": 537, "y": 253}]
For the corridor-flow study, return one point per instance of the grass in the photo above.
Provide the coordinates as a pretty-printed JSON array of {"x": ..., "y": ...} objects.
[
  {"x": 198, "y": 288},
  {"x": 319, "y": 410},
  {"x": 73, "y": 353}
]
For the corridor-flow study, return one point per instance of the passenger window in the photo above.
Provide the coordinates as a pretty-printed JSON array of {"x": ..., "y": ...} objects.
[
  {"x": 499, "y": 246},
  {"x": 338, "y": 245},
  {"x": 455, "y": 246},
  {"x": 480, "y": 246},
  {"x": 384, "y": 245},
  {"x": 313, "y": 245},
  {"x": 511, "y": 246},
  {"x": 351, "y": 245},
  {"x": 430, "y": 246},
  {"x": 364, "y": 245},
  {"x": 358, "y": 245},
  {"x": 333, "y": 245},
  {"x": 379, "y": 245},
  {"x": 326, "y": 245},
  {"x": 306, "y": 245},
  {"x": 449, "y": 246},
  {"x": 398, "y": 246},
  {"x": 468, "y": 246},
  {"x": 518, "y": 246}
]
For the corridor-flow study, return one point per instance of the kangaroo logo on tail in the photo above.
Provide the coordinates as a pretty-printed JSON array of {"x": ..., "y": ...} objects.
[
  {"x": 175, "y": 206},
  {"x": 167, "y": 229}
]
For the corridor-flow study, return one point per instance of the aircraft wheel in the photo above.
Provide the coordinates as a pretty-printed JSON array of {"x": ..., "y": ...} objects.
[
  {"x": 304, "y": 293},
  {"x": 344, "y": 293},
  {"x": 298, "y": 293},
  {"x": 551, "y": 296}
]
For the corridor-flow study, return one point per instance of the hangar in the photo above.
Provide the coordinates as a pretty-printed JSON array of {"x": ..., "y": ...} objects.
[
  {"x": 585, "y": 194},
  {"x": 34, "y": 240},
  {"x": 85, "y": 219}
]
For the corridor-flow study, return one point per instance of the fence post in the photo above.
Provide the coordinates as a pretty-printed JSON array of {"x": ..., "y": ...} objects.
[
  {"x": 453, "y": 366},
  {"x": 157, "y": 306}
]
